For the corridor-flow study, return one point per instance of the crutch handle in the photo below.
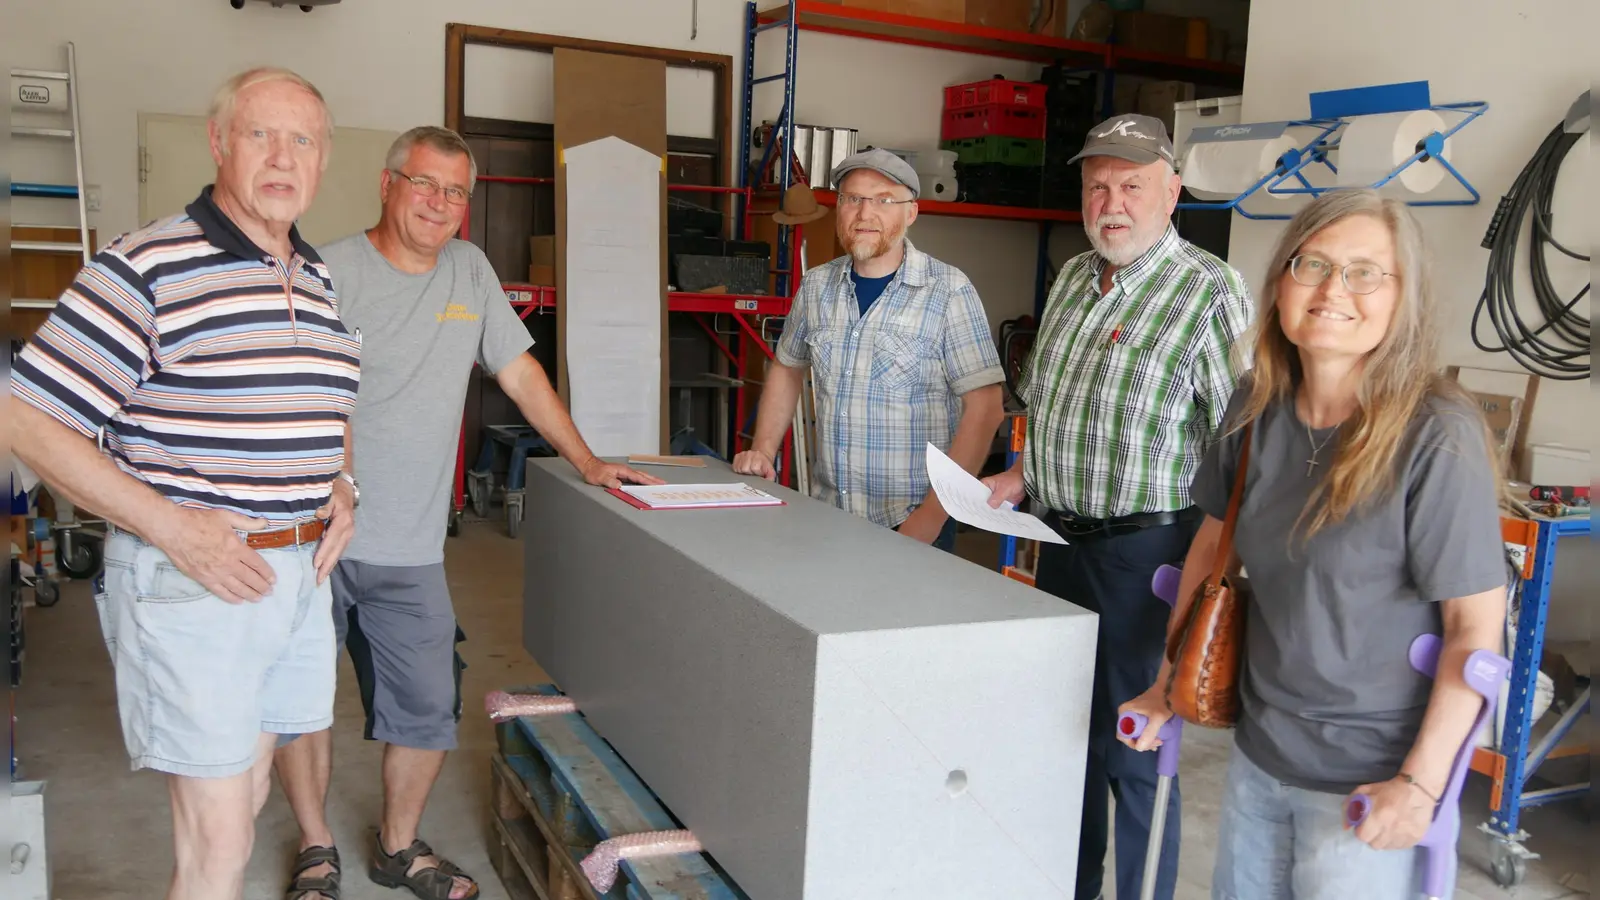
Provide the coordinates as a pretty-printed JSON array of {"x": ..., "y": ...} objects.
[
  {"x": 1171, "y": 734},
  {"x": 1356, "y": 810}
]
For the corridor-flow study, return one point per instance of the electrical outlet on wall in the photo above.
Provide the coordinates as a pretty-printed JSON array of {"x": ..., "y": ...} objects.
[{"x": 91, "y": 198}]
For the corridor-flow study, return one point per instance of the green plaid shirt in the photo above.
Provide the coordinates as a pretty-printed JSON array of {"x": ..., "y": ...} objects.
[{"x": 1125, "y": 391}]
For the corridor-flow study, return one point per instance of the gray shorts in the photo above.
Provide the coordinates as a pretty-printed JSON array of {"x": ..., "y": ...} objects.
[{"x": 400, "y": 628}]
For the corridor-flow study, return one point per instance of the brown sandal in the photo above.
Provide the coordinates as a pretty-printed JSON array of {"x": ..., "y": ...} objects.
[
  {"x": 304, "y": 887},
  {"x": 432, "y": 883}
]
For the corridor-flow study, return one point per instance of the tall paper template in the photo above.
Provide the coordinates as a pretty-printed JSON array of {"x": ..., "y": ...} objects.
[{"x": 613, "y": 295}]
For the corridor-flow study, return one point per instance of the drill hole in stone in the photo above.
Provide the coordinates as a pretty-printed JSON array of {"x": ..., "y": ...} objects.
[{"x": 956, "y": 782}]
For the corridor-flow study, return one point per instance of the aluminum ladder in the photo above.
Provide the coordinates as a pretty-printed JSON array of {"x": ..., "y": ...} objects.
[{"x": 32, "y": 90}]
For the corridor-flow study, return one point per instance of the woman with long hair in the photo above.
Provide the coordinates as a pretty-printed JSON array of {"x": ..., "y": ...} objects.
[{"x": 1369, "y": 516}]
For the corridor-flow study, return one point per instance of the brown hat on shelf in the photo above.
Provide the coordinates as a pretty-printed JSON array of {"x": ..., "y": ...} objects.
[{"x": 799, "y": 207}]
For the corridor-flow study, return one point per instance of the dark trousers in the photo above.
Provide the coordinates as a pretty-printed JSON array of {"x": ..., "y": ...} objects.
[{"x": 1111, "y": 576}]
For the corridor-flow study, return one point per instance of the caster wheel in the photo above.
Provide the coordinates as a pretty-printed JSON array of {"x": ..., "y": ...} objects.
[
  {"x": 478, "y": 490},
  {"x": 236, "y": 4},
  {"x": 1509, "y": 868},
  {"x": 46, "y": 592},
  {"x": 82, "y": 562},
  {"x": 514, "y": 516},
  {"x": 454, "y": 528},
  {"x": 305, "y": 8}
]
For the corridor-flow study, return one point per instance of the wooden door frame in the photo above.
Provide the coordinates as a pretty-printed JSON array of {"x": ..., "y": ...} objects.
[{"x": 458, "y": 36}]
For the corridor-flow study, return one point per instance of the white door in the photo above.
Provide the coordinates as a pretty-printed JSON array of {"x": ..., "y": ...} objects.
[{"x": 176, "y": 163}]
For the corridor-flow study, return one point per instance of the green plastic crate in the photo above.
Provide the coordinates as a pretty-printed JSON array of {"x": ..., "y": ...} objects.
[{"x": 994, "y": 148}]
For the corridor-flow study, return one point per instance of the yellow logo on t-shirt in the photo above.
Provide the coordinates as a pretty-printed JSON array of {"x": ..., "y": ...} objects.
[{"x": 456, "y": 312}]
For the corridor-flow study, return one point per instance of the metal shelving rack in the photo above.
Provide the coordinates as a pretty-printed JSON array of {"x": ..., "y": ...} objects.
[
  {"x": 1512, "y": 764},
  {"x": 528, "y": 299},
  {"x": 830, "y": 18}
]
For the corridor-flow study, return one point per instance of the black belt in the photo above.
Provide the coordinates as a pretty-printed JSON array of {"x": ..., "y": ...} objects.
[{"x": 1077, "y": 527}]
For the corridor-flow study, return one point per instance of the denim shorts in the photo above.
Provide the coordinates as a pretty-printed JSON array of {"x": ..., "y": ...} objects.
[
  {"x": 1279, "y": 842},
  {"x": 200, "y": 679}
]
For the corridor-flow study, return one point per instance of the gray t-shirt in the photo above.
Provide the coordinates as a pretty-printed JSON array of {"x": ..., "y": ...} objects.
[
  {"x": 1329, "y": 700},
  {"x": 420, "y": 335}
]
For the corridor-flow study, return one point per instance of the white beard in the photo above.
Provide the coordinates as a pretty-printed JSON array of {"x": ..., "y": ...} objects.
[{"x": 1130, "y": 247}]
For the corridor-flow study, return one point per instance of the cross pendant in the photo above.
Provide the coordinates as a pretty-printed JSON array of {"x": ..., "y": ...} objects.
[{"x": 1311, "y": 465}]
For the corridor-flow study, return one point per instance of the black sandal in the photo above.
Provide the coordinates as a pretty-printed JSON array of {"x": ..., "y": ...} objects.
[
  {"x": 302, "y": 887},
  {"x": 432, "y": 883}
]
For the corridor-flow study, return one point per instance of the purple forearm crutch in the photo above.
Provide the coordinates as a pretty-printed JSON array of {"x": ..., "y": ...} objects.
[
  {"x": 1165, "y": 586},
  {"x": 1484, "y": 673}
]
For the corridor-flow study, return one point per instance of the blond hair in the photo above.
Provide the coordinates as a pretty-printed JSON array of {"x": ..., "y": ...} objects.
[
  {"x": 441, "y": 139},
  {"x": 1399, "y": 375},
  {"x": 227, "y": 98}
]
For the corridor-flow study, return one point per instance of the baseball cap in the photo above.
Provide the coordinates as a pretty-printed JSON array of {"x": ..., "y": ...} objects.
[
  {"x": 1137, "y": 139},
  {"x": 884, "y": 163}
]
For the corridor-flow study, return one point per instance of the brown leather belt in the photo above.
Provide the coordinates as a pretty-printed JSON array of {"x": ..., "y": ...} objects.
[{"x": 293, "y": 536}]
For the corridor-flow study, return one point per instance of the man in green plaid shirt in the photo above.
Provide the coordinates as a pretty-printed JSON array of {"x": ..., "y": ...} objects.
[{"x": 1130, "y": 374}]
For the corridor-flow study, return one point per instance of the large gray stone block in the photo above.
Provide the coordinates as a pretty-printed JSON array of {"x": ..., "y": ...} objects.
[{"x": 837, "y": 712}]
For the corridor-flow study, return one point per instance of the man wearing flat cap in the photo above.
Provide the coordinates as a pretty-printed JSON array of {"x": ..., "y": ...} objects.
[
  {"x": 901, "y": 356},
  {"x": 1130, "y": 374}
]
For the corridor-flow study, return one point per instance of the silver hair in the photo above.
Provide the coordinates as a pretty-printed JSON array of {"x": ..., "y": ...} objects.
[
  {"x": 442, "y": 139},
  {"x": 227, "y": 98}
]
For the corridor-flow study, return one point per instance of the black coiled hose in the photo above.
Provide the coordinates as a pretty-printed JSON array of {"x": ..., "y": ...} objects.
[{"x": 1556, "y": 345}]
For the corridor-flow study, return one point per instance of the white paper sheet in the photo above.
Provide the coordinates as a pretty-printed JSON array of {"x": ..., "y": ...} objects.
[
  {"x": 613, "y": 295},
  {"x": 967, "y": 500}
]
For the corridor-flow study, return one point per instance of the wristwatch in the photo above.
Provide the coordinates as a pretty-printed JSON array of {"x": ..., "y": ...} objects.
[{"x": 355, "y": 489}]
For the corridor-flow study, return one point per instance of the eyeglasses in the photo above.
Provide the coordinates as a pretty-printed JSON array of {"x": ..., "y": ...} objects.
[
  {"x": 852, "y": 201},
  {"x": 427, "y": 187},
  {"x": 1359, "y": 277}
]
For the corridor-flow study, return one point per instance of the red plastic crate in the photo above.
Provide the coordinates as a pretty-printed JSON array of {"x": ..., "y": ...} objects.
[
  {"x": 995, "y": 91},
  {"x": 994, "y": 119}
]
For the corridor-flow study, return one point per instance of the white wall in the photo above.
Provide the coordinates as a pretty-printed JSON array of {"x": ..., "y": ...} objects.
[
  {"x": 1529, "y": 61},
  {"x": 381, "y": 65}
]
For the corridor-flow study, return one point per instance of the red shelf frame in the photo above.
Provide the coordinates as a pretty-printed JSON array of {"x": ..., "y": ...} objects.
[
  {"x": 738, "y": 306},
  {"x": 829, "y": 18},
  {"x": 976, "y": 210}
]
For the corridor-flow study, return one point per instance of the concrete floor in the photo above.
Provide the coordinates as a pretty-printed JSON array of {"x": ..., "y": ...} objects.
[{"x": 110, "y": 836}]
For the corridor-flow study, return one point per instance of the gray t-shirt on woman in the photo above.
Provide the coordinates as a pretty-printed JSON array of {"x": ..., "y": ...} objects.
[{"x": 1329, "y": 700}]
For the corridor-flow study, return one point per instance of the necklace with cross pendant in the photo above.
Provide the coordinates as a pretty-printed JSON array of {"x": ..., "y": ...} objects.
[{"x": 1311, "y": 464}]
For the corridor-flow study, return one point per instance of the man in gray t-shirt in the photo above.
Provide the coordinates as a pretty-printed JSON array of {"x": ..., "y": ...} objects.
[{"x": 425, "y": 307}]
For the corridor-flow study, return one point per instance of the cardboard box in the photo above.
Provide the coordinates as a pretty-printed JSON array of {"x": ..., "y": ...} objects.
[
  {"x": 1152, "y": 33},
  {"x": 943, "y": 10},
  {"x": 542, "y": 250},
  {"x": 1157, "y": 98},
  {"x": 1016, "y": 15},
  {"x": 544, "y": 275},
  {"x": 1199, "y": 39},
  {"x": 1502, "y": 412}
]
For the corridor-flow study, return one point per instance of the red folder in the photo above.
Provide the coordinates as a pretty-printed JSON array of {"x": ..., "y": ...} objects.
[{"x": 636, "y": 503}]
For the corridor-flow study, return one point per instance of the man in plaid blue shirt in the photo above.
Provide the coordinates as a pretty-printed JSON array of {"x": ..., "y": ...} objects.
[{"x": 901, "y": 356}]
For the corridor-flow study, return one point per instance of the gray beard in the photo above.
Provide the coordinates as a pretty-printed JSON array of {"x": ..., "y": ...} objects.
[{"x": 1118, "y": 256}]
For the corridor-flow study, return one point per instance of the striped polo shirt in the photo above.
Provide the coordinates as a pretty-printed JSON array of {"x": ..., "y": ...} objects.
[{"x": 220, "y": 374}]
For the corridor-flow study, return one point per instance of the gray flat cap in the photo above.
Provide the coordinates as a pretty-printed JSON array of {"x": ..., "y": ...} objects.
[
  {"x": 884, "y": 163},
  {"x": 1137, "y": 139}
]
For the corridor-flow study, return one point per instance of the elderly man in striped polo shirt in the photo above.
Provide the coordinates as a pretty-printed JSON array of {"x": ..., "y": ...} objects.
[
  {"x": 1130, "y": 375},
  {"x": 901, "y": 356},
  {"x": 207, "y": 349}
]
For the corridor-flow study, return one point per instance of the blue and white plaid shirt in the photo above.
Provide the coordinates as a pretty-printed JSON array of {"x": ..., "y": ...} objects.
[{"x": 889, "y": 383}]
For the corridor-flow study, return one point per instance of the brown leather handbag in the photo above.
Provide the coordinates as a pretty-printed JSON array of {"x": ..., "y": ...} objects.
[{"x": 1207, "y": 649}]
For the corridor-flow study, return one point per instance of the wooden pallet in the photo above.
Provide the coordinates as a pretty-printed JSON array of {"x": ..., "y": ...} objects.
[{"x": 559, "y": 789}]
